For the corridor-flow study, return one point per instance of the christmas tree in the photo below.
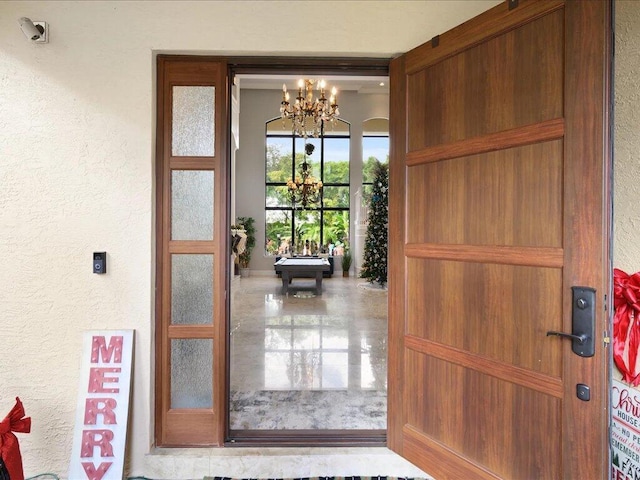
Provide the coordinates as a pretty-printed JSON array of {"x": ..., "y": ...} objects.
[{"x": 374, "y": 267}]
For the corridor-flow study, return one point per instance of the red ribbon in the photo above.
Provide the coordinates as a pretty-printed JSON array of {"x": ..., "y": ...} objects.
[
  {"x": 9, "y": 448},
  {"x": 626, "y": 325}
]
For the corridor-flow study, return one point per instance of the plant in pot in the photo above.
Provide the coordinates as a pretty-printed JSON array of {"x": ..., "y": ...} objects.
[
  {"x": 346, "y": 263},
  {"x": 245, "y": 257}
]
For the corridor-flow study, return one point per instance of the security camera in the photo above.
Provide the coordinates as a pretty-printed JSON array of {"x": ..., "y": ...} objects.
[{"x": 34, "y": 32}]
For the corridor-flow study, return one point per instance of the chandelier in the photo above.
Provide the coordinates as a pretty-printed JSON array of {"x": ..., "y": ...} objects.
[
  {"x": 305, "y": 190},
  {"x": 306, "y": 114}
]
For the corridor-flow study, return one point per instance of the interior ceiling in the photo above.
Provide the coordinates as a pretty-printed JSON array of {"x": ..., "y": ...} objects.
[{"x": 360, "y": 84}]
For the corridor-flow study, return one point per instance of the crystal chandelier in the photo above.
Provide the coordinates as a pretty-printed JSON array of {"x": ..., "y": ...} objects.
[
  {"x": 305, "y": 190},
  {"x": 306, "y": 114}
]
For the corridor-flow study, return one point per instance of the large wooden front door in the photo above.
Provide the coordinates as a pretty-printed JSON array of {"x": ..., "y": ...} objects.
[{"x": 498, "y": 206}]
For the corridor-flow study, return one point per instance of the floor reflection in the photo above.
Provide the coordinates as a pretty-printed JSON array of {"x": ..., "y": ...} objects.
[
  {"x": 312, "y": 352},
  {"x": 332, "y": 346}
]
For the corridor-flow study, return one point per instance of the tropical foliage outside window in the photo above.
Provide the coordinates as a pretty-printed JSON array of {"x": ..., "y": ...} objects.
[
  {"x": 375, "y": 148},
  {"x": 293, "y": 230}
]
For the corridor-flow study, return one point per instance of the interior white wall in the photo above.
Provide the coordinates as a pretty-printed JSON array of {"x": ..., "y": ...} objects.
[
  {"x": 260, "y": 106},
  {"x": 77, "y": 125}
]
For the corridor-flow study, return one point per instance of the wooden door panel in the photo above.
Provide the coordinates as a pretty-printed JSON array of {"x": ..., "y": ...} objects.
[
  {"x": 445, "y": 298},
  {"x": 498, "y": 206},
  {"x": 494, "y": 433},
  {"x": 488, "y": 88},
  {"x": 449, "y": 202}
]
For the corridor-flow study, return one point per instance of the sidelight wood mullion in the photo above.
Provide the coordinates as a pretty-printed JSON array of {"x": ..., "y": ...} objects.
[{"x": 192, "y": 163}]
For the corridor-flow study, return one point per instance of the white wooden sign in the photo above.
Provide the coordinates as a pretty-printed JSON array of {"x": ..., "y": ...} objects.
[
  {"x": 625, "y": 431},
  {"x": 103, "y": 406}
]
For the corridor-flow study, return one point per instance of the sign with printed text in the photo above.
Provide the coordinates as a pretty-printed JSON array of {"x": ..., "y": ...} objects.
[
  {"x": 625, "y": 432},
  {"x": 103, "y": 406}
]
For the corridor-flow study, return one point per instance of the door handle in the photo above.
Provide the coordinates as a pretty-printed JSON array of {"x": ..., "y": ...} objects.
[
  {"x": 578, "y": 338},
  {"x": 583, "y": 321}
]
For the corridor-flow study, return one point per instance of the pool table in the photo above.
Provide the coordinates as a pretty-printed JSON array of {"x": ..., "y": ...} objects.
[{"x": 300, "y": 267}]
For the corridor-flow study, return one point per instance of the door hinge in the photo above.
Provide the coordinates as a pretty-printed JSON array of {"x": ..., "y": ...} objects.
[
  {"x": 606, "y": 339},
  {"x": 435, "y": 41},
  {"x": 512, "y": 4}
]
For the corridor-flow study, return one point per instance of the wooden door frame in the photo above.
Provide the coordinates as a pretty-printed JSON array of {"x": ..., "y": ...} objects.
[
  {"x": 598, "y": 119},
  {"x": 236, "y": 65},
  {"x": 316, "y": 66}
]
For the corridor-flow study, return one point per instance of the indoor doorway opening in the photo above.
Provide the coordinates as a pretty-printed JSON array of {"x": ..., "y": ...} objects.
[{"x": 306, "y": 366}]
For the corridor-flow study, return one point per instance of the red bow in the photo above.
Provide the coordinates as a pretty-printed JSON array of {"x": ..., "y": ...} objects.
[
  {"x": 626, "y": 325},
  {"x": 9, "y": 448}
]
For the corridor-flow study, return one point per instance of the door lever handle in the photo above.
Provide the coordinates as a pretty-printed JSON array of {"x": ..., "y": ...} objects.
[
  {"x": 583, "y": 322},
  {"x": 578, "y": 338}
]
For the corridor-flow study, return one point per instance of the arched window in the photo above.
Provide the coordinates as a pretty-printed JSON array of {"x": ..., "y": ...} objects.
[
  {"x": 375, "y": 146},
  {"x": 289, "y": 229}
]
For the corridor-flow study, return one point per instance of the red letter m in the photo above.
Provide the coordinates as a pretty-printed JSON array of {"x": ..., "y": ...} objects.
[{"x": 99, "y": 349}]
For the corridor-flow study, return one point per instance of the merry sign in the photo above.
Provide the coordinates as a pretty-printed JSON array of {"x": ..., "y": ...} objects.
[{"x": 103, "y": 406}]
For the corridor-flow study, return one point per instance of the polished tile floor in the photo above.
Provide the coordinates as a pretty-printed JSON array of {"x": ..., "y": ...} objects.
[{"x": 306, "y": 361}]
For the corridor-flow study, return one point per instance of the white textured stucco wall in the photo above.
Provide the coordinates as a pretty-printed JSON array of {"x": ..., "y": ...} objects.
[
  {"x": 626, "y": 212},
  {"x": 76, "y": 176}
]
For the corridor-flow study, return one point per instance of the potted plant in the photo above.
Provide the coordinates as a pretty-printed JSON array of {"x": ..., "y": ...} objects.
[
  {"x": 245, "y": 257},
  {"x": 346, "y": 263}
]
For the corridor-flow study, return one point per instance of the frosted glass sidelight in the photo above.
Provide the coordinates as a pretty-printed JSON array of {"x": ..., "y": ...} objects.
[
  {"x": 191, "y": 289},
  {"x": 192, "y": 204},
  {"x": 193, "y": 124},
  {"x": 191, "y": 373}
]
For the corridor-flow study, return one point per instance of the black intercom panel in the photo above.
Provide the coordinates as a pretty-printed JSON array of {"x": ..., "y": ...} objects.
[{"x": 99, "y": 262}]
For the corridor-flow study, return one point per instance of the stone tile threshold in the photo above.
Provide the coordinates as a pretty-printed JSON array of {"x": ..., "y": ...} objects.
[
  {"x": 268, "y": 451},
  {"x": 285, "y": 462}
]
